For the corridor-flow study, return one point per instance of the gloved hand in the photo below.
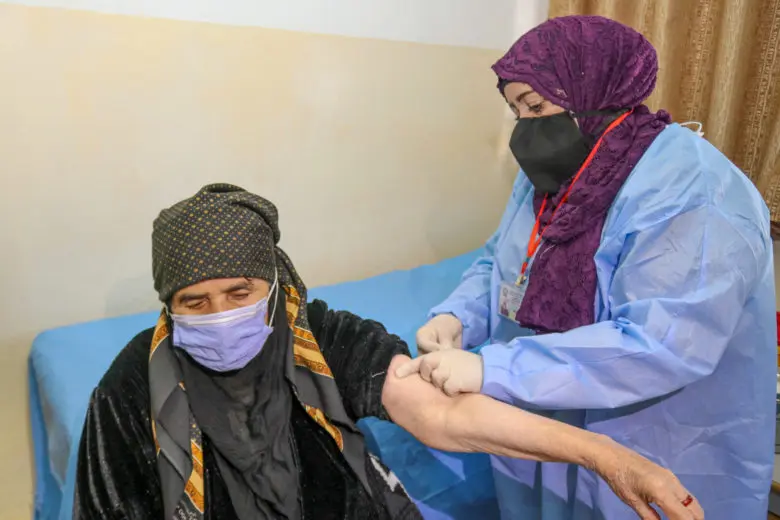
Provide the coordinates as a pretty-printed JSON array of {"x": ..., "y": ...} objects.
[
  {"x": 444, "y": 331},
  {"x": 452, "y": 371}
]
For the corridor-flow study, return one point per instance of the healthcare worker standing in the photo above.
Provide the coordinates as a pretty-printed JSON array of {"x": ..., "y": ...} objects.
[{"x": 628, "y": 290}]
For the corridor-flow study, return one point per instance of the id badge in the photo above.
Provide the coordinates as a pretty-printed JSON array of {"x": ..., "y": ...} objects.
[{"x": 510, "y": 297}]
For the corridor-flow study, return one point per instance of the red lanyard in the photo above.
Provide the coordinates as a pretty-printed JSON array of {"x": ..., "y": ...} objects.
[{"x": 536, "y": 236}]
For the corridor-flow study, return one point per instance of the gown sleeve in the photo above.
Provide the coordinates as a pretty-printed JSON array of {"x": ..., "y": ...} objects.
[
  {"x": 676, "y": 298},
  {"x": 358, "y": 352},
  {"x": 116, "y": 474}
]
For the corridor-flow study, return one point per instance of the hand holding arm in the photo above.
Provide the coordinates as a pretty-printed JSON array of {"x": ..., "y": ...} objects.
[{"x": 451, "y": 371}]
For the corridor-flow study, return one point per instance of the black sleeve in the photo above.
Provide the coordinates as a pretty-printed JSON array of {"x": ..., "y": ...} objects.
[
  {"x": 358, "y": 352},
  {"x": 116, "y": 474}
]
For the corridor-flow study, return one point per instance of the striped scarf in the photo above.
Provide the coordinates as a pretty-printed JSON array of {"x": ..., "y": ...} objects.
[{"x": 178, "y": 439}]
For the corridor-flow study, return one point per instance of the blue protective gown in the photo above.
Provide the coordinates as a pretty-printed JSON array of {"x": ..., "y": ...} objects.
[{"x": 681, "y": 363}]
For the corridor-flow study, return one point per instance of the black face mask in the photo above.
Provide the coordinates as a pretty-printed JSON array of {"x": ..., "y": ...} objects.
[{"x": 551, "y": 149}]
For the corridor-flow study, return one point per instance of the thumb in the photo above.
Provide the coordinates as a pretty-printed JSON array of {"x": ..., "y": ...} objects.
[
  {"x": 409, "y": 368},
  {"x": 427, "y": 339},
  {"x": 446, "y": 342},
  {"x": 457, "y": 341},
  {"x": 426, "y": 345},
  {"x": 451, "y": 336}
]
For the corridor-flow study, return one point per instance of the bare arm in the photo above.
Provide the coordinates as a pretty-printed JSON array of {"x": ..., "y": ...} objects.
[
  {"x": 481, "y": 424},
  {"x": 477, "y": 423}
]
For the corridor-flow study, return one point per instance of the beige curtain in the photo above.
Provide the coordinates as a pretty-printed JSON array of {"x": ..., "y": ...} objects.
[{"x": 720, "y": 65}]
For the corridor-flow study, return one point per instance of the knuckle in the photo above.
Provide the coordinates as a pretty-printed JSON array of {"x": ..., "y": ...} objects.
[
  {"x": 663, "y": 481},
  {"x": 450, "y": 388},
  {"x": 632, "y": 500},
  {"x": 658, "y": 483}
]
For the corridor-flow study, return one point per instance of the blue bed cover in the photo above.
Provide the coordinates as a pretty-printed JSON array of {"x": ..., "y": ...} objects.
[{"x": 66, "y": 363}]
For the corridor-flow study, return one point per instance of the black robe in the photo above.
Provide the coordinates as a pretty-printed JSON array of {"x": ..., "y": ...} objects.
[{"x": 117, "y": 476}]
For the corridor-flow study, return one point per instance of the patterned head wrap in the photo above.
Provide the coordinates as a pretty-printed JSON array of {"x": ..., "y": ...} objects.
[
  {"x": 222, "y": 231},
  {"x": 583, "y": 64}
]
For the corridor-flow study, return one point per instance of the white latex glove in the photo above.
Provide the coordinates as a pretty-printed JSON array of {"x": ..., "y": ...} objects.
[
  {"x": 442, "y": 332},
  {"x": 453, "y": 371}
]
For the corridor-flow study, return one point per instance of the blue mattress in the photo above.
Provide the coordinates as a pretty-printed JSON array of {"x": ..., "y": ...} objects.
[{"x": 66, "y": 363}]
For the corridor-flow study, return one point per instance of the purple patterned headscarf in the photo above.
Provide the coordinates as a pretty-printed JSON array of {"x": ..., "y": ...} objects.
[{"x": 583, "y": 63}]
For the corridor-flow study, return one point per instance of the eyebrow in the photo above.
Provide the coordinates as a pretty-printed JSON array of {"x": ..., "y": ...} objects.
[
  {"x": 185, "y": 298},
  {"x": 238, "y": 286},
  {"x": 521, "y": 96}
]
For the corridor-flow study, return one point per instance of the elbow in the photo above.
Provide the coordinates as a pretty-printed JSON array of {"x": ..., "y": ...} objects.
[
  {"x": 419, "y": 408},
  {"x": 392, "y": 388}
]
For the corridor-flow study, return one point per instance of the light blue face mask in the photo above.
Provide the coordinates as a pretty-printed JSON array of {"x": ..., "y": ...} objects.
[{"x": 225, "y": 341}]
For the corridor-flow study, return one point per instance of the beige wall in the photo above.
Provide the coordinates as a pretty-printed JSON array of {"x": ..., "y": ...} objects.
[{"x": 379, "y": 154}]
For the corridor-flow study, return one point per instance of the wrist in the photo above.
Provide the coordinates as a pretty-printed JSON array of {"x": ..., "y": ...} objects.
[{"x": 600, "y": 454}]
